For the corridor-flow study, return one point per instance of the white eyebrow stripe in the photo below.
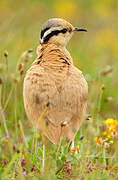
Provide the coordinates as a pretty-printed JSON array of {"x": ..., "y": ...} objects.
[{"x": 50, "y": 30}]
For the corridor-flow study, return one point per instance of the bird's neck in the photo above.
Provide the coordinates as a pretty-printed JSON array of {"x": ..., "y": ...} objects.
[{"x": 53, "y": 52}]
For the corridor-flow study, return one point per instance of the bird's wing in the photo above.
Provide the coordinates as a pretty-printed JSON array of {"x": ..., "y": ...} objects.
[{"x": 67, "y": 101}]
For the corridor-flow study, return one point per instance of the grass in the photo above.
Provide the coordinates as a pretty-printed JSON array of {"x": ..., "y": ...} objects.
[{"x": 95, "y": 154}]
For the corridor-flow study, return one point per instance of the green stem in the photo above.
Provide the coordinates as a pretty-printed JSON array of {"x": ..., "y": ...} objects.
[{"x": 2, "y": 114}]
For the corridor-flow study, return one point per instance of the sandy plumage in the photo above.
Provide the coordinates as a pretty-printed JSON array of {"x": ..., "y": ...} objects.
[{"x": 53, "y": 85}]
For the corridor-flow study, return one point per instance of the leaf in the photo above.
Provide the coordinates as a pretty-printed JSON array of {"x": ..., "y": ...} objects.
[{"x": 40, "y": 152}]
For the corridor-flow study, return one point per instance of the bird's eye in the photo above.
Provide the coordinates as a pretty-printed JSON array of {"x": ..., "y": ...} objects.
[{"x": 64, "y": 30}]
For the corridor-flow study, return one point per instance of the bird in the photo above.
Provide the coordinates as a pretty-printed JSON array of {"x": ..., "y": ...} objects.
[{"x": 55, "y": 91}]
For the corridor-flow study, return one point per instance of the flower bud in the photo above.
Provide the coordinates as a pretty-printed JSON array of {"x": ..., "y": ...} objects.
[{"x": 5, "y": 53}]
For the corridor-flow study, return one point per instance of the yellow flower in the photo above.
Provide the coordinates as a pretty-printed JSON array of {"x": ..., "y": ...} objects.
[
  {"x": 98, "y": 140},
  {"x": 105, "y": 133},
  {"x": 115, "y": 123},
  {"x": 95, "y": 139},
  {"x": 112, "y": 128},
  {"x": 37, "y": 135},
  {"x": 111, "y": 124},
  {"x": 111, "y": 142},
  {"x": 109, "y": 121},
  {"x": 77, "y": 148},
  {"x": 108, "y": 136}
]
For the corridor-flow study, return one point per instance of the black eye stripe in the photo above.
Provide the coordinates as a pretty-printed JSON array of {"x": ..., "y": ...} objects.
[
  {"x": 43, "y": 31},
  {"x": 64, "y": 30},
  {"x": 55, "y": 32}
]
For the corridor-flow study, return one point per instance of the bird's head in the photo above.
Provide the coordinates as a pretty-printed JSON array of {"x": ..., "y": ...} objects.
[{"x": 58, "y": 31}]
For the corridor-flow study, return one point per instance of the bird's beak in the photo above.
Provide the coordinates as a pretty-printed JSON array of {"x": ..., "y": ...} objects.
[{"x": 79, "y": 29}]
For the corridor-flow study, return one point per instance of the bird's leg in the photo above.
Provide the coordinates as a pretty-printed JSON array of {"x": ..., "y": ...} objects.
[{"x": 43, "y": 161}]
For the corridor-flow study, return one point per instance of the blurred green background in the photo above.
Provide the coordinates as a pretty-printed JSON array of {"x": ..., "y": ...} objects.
[{"x": 93, "y": 52}]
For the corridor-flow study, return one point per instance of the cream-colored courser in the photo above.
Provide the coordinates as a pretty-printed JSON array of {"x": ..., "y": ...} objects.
[{"x": 55, "y": 91}]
